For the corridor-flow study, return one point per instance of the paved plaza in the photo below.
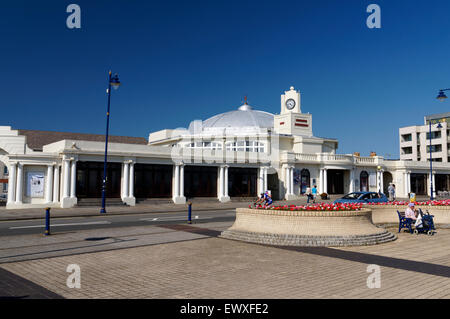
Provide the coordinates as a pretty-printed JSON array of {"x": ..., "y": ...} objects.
[{"x": 189, "y": 261}]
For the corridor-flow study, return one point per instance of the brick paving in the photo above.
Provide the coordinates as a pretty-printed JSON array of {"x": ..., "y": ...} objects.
[{"x": 210, "y": 267}]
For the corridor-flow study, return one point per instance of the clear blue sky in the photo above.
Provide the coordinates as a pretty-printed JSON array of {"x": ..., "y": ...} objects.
[{"x": 185, "y": 60}]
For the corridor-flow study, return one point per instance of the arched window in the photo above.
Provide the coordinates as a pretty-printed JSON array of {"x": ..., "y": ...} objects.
[
  {"x": 305, "y": 180},
  {"x": 364, "y": 181}
]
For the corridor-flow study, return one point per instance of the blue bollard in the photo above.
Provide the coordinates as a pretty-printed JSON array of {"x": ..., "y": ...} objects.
[
  {"x": 47, "y": 221},
  {"x": 189, "y": 213}
]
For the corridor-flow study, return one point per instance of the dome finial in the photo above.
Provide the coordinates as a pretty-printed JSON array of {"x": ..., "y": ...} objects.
[{"x": 245, "y": 100}]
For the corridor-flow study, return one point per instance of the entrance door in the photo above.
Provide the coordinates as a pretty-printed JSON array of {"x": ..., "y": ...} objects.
[
  {"x": 242, "y": 182},
  {"x": 305, "y": 179},
  {"x": 419, "y": 184},
  {"x": 152, "y": 181},
  {"x": 387, "y": 179},
  {"x": 200, "y": 181},
  {"x": 442, "y": 182},
  {"x": 90, "y": 180},
  {"x": 335, "y": 181},
  {"x": 364, "y": 181}
]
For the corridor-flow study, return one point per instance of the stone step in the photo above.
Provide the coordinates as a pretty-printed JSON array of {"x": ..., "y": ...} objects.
[
  {"x": 86, "y": 202},
  {"x": 308, "y": 241}
]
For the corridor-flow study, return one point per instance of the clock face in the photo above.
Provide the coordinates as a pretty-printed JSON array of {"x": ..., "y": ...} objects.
[{"x": 290, "y": 104}]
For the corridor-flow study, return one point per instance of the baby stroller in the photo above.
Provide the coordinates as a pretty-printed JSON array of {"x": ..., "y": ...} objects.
[{"x": 427, "y": 224}]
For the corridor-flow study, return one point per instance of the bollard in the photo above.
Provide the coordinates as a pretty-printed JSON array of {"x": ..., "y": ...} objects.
[
  {"x": 189, "y": 213},
  {"x": 47, "y": 221}
]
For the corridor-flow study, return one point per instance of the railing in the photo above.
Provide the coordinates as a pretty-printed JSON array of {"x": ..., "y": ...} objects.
[
  {"x": 365, "y": 160},
  {"x": 339, "y": 158},
  {"x": 306, "y": 157}
]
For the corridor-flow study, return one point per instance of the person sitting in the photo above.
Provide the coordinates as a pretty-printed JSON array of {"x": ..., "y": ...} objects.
[
  {"x": 411, "y": 213},
  {"x": 268, "y": 199}
]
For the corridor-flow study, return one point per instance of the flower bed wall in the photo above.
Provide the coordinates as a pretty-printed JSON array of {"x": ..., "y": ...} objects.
[{"x": 306, "y": 227}]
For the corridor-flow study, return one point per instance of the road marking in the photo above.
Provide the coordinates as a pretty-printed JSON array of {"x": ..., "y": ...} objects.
[
  {"x": 56, "y": 225},
  {"x": 172, "y": 218}
]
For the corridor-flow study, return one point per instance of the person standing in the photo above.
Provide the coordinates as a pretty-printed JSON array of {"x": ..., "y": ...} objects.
[
  {"x": 391, "y": 191},
  {"x": 314, "y": 193},
  {"x": 308, "y": 194}
]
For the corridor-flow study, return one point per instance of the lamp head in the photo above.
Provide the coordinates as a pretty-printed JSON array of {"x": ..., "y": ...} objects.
[
  {"x": 115, "y": 83},
  {"x": 441, "y": 96}
]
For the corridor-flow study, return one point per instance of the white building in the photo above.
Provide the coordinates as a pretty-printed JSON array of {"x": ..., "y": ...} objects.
[
  {"x": 415, "y": 140},
  {"x": 239, "y": 153}
]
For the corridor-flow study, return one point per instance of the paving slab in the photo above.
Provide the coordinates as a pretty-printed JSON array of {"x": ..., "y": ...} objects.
[{"x": 211, "y": 267}]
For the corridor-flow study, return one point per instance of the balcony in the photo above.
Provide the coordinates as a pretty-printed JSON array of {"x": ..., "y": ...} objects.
[{"x": 335, "y": 159}]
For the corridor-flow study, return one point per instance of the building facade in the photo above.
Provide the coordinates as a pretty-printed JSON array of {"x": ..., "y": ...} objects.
[
  {"x": 235, "y": 154},
  {"x": 415, "y": 140}
]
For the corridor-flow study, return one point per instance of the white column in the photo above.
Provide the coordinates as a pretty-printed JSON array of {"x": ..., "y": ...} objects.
[
  {"x": 287, "y": 182},
  {"x": 181, "y": 181},
  {"x": 126, "y": 179},
  {"x": 66, "y": 178},
  {"x": 177, "y": 181},
  {"x": 260, "y": 181},
  {"x": 226, "y": 181},
  {"x": 49, "y": 185},
  {"x": 56, "y": 184},
  {"x": 265, "y": 187},
  {"x": 73, "y": 178},
  {"x": 221, "y": 177},
  {"x": 12, "y": 183},
  {"x": 352, "y": 181},
  {"x": 434, "y": 185},
  {"x": 131, "y": 180},
  {"x": 325, "y": 181},
  {"x": 19, "y": 186},
  {"x": 291, "y": 179},
  {"x": 381, "y": 182},
  {"x": 321, "y": 181},
  {"x": 409, "y": 182}
]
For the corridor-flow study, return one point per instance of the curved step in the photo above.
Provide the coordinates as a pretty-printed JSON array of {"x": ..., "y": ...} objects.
[{"x": 309, "y": 241}]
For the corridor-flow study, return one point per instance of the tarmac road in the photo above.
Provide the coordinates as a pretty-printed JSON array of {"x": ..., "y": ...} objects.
[{"x": 27, "y": 227}]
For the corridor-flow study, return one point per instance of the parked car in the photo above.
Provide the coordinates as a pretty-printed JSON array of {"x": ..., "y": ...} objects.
[{"x": 363, "y": 197}]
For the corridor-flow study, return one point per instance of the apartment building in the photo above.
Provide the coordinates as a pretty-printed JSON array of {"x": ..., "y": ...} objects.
[{"x": 415, "y": 140}]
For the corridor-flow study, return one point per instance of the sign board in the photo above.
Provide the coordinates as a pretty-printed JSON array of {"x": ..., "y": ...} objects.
[{"x": 35, "y": 184}]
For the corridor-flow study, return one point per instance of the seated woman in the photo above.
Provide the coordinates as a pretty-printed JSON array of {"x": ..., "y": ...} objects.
[{"x": 411, "y": 213}]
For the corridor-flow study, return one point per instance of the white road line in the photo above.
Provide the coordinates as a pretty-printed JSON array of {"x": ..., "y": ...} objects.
[
  {"x": 56, "y": 225},
  {"x": 171, "y": 218}
]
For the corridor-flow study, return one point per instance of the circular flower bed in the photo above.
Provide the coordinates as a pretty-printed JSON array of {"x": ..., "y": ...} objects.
[{"x": 315, "y": 225}]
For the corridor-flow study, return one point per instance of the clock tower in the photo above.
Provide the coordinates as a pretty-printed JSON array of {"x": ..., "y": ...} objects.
[
  {"x": 290, "y": 101},
  {"x": 291, "y": 120}
]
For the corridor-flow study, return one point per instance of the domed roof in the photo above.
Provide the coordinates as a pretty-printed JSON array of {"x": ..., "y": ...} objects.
[{"x": 245, "y": 116}]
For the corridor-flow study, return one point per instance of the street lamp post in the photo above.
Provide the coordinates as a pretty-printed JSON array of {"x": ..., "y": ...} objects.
[
  {"x": 114, "y": 82},
  {"x": 441, "y": 97},
  {"x": 431, "y": 161}
]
